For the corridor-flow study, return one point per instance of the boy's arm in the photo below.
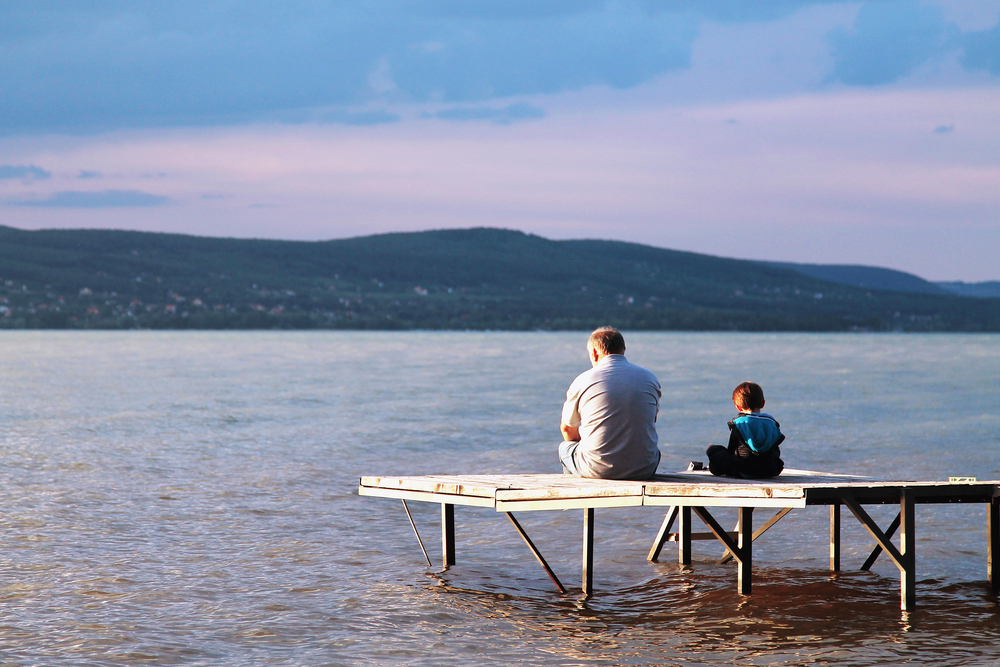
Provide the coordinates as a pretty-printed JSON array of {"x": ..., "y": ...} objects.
[{"x": 736, "y": 445}]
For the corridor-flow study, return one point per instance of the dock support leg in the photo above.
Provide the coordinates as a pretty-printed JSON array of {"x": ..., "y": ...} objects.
[
  {"x": 745, "y": 543},
  {"x": 993, "y": 544},
  {"x": 684, "y": 536},
  {"x": 588, "y": 552},
  {"x": 447, "y": 534},
  {"x": 661, "y": 537},
  {"x": 907, "y": 545},
  {"x": 742, "y": 548},
  {"x": 835, "y": 537},
  {"x": 903, "y": 557}
]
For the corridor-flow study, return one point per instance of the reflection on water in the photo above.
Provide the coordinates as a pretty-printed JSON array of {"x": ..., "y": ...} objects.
[{"x": 189, "y": 498}]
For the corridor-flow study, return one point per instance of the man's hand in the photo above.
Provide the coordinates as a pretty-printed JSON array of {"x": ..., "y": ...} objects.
[{"x": 570, "y": 433}]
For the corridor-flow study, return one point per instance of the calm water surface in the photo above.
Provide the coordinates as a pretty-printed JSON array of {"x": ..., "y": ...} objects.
[{"x": 190, "y": 498}]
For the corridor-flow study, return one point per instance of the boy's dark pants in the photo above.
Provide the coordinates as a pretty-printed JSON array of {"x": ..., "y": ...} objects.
[{"x": 738, "y": 460}]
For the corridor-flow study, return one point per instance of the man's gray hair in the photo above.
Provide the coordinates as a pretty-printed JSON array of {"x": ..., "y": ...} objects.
[{"x": 607, "y": 340}]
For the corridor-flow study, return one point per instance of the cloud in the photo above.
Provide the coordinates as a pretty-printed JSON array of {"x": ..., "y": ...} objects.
[
  {"x": 102, "y": 199},
  {"x": 501, "y": 116},
  {"x": 735, "y": 11},
  {"x": 24, "y": 172},
  {"x": 375, "y": 117},
  {"x": 889, "y": 40},
  {"x": 982, "y": 50},
  {"x": 944, "y": 129},
  {"x": 114, "y": 64},
  {"x": 501, "y": 9},
  {"x": 89, "y": 174},
  {"x": 91, "y": 67}
]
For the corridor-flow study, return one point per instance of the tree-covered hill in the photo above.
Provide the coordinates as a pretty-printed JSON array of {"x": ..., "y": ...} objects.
[{"x": 447, "y": 279}]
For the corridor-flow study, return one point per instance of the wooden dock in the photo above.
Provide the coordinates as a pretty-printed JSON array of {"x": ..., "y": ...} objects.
[{"x": 694, "y": 493}]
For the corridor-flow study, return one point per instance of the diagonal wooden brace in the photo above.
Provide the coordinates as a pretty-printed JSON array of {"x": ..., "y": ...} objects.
[
  {"x": 877, "y": 551},
  {"x": 728, "y": 556},
  {"x": 880, "y": 538},
  {"x": 414, "y": 526},
  {"x": 663, "y": 534},
  {"x": 536, "y": 552},
  {"x": 720, "y": 533}
]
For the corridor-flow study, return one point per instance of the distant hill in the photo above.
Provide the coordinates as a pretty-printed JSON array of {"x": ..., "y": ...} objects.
[
  {"x": 445, "y": 279},
  {"x": 869, "y": 277},
  {"x": 873, "y": 277},
  {"x": 985, "y": 290}
]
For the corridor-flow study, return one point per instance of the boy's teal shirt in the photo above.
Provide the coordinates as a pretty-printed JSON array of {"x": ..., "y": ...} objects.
[{"x": 760, "y": 431}]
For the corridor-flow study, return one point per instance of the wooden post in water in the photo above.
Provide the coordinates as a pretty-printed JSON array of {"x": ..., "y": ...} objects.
[
  {"x": 447, "y": 534},
  {"x": 745, "y": 543},
  {"x": 588, "y": 552},
  {"x": 907, "y": 546},
  {"x": 835, "y": 536},
  {"x": 993, "y": 544},
  {"x": 684, "y": 536}
]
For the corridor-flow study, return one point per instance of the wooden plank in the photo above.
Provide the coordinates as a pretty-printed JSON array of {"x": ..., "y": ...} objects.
[
  {"x": 722, "y": 490},
  {"x": 888, "y": 492},
  {"x": 448, "y": 485},
  {"x": 788, "y": 476},
  {"x": 715, "y": 501},
  {"x": 568, "y": 503},
  {"x": 612, "y": 490},
  {"x": 472, "y": 501}
]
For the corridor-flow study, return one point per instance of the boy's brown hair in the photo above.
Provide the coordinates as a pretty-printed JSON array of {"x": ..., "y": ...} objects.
[{"x": 748, "y": 396}]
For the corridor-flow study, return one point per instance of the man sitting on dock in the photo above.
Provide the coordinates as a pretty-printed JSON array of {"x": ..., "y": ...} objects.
[{"x": 609, "y": 418}]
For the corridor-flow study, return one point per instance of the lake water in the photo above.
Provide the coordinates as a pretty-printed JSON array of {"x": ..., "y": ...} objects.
[{"x": 190, "y": 498}]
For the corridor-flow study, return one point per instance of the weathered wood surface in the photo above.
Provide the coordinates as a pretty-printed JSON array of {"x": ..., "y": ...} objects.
[
  {"x": 483, "y": 486},
  {"x": 525, "y": 491},
  {"x": 534, "y": 486},
  {"x": 793, "y": 487}
]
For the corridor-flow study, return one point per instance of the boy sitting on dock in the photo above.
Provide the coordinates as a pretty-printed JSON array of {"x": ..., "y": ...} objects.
[{"x": 753, "y": 440}]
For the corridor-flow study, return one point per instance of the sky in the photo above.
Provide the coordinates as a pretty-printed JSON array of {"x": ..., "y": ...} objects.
[{"x": 786, "y": 130}]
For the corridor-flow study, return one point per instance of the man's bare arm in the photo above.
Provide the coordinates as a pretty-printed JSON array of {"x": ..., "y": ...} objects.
[{"x": 570, "y": 432}]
